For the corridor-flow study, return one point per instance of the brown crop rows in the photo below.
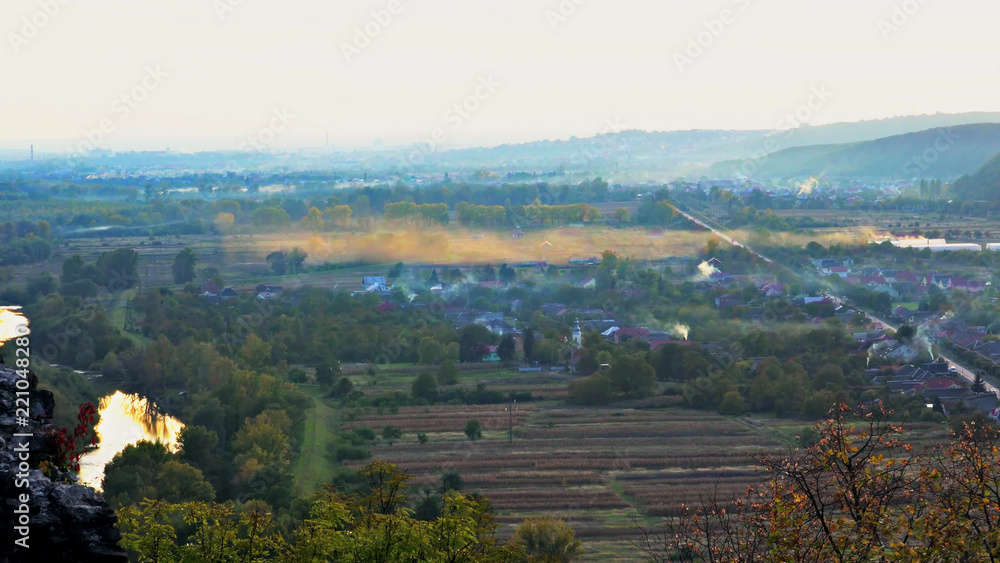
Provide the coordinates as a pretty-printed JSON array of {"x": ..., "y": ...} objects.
[{"x": 570, "y": 462}]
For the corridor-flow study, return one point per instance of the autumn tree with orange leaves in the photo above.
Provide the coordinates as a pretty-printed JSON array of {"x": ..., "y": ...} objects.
[{"x": 859, "y": 494}]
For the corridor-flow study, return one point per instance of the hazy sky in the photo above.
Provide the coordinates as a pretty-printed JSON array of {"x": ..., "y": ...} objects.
[{"x": 277, "y": 72}]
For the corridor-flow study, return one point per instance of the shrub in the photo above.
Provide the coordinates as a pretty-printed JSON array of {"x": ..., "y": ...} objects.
[
  {"x": 347, "y": 452},
  {"x": 474, "y": 429}
]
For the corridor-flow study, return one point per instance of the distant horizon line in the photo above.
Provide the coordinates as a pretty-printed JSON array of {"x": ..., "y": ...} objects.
[{"x": 164, "y": 145}]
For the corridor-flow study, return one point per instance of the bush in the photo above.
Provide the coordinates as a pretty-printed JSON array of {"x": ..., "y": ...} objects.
[
  {"x": 483, "y": 396},
  {"x": 548, "y": 539},
  {"x": 596, "y": 389},
  {"x": 296, "y": 375},
  {"x": 732, "y": 404},
  {"x": 364, "y": 434},
  {"x": 343, "y": 388},
  {"x": 448, "y": 373},
  {"x": 474, "y": 429},
  {"x": 391, "y": 433},
  {"x": 425, "y": 387},
  {"x": 451, "y": 481},
  {"x": 347, "y": 452}
]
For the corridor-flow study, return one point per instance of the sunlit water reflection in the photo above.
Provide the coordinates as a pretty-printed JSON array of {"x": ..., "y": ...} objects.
[
  {"x": 12, "y": 324},
  {"x": 125, "y": 419}
]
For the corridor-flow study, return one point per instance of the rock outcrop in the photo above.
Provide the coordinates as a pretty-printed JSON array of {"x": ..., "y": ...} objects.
[{"x": 68, "y": 522}]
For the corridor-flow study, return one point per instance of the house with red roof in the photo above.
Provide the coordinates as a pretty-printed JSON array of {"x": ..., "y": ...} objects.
[{"x": 941, "y": 383}]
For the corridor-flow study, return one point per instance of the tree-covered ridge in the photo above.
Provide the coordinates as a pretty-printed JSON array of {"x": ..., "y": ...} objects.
[
  {"x": 941, "y": 153},
  {"x": 983, "y": 185}
]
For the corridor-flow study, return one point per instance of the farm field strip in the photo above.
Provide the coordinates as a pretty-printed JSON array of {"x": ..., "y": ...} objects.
[{"x": 600, "y": 469}]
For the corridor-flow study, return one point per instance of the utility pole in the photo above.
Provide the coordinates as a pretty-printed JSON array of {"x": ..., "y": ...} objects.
[
  {"x": 128, "y": 314},
  {"x": 510, "y": 417}
]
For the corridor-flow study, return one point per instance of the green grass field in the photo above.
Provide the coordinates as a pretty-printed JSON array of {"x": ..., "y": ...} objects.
[{"x": 312, "y": 466}]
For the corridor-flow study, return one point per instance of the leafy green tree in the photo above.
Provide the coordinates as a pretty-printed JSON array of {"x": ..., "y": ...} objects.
[
  {"x": 72, "y": 269},
  {"x": 470, "y": 340},
  {"x": 448, "y": 373},
  {"x": 507, "y": 274},
  {"x": 343, "y": 388},
  {"x": 199, "y": 446},
  {"x": 184, "y": 264},
  {"x": 817, "y": 405},
  {"x": 937, "y": 406},
  {"x": 425, "y": 387},
  {"x": 429, "y": 508},
  {"x": 119, "y": 269},
  {"x": 181, "y": 482},
  {"x": 255, "y": 353},
  {"x": 450, "y": 481},
  {"x": 529, "y": 343},
  {"x": 474, "y": 429},
  {"x": 213, "y": 532},
  {"x": 548, "y": 539},
  {"x": 147, "y": 470},
  {"x": 506, "y": 348},
  {"x": 41, "y": 285},
  {"x": 285, "y": 262},
  {"x": 595, "y": 389},
  {"x": 830, "y": 376},
  {"x": 732, "y": 404},
  {"x": 44, "y": 230},
  {"x": 978, "y": 385},
  {"x": 325, "y": 373},
  {"x": 906, "y": 333},
  {"x": 296, "y": 259},
  {"x": 632, "y": 377},
  {"x": 80, "y": 288},
  {"x": 396, "y": 271},
  {"x": 391, "y": 433},
  {"x": 430, "y": 351},
  {"x": 269, "y": 218}
]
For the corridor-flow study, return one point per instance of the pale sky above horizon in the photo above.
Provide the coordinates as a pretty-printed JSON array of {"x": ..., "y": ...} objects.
[{"x": 227, "y": 77}]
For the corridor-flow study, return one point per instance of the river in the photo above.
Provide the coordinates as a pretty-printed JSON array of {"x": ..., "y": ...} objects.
[
  {"x": 12, "y": 324},
  {"x": 125, "y": 420}
]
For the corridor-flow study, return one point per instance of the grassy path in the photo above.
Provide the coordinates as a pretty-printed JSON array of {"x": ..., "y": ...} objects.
[
  {"x": 312, "y": 468},
  {"x": 116, "y": 310}
]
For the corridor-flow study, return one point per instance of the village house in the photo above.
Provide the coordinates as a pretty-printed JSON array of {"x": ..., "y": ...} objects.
[
  {"x": 228, "y": 293},
  {"x": 491, "y": 355},
  {"x": 269, "y": 291},
  {"x": 727, "y": 302},
  {"x": 899, "y": 352}
]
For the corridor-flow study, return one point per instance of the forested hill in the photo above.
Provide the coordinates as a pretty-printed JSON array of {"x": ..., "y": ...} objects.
[
  {"x": 857, "y": 132},
  {"x": 935, "y": 153},
  {"x": 675, "y": 149},
  {"x": 983, "y": 185}
]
